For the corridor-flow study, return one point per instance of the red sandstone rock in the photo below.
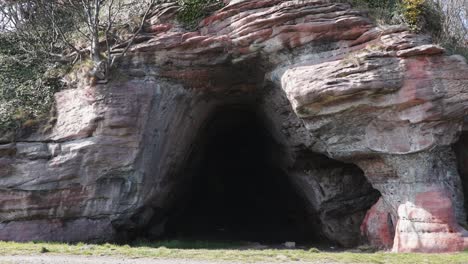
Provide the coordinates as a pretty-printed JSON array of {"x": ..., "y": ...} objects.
[
  {"x": 378, "y": 226},
  {"x": 382, "y": 98},
  {"x": 429, "y": 225}
]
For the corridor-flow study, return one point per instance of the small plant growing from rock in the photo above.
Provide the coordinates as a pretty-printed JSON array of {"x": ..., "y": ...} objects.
[
  {"x": 314, "y": 250},
  {"x": 412, "y": 12},
  {"x": 44, "y": 250},
  {"x": 352, "y": 58},
  {"x": 192, "y": 11},
  {"x": 367, "y": 249},
  {"x": 80, "y": 75}
]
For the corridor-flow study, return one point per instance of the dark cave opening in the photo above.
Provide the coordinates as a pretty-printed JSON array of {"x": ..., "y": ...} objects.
[
  {"x": 461, "y": 151},
  {"x": 237, "y": 188},
  {"x": 238, "y": 183}
]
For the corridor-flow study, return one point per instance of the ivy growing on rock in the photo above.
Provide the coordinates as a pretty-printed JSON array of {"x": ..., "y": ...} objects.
[
  {"x": 192, "y": 11},
  {"x": 27, "y": 86},
  {"x": 39, "y": 40}
]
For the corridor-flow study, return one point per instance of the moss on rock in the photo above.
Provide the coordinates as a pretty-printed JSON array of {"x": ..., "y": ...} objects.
[{"x": 192, "y": 11}]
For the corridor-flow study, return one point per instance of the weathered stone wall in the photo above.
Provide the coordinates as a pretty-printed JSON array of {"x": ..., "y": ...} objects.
[{"x": 330, "y": 82}]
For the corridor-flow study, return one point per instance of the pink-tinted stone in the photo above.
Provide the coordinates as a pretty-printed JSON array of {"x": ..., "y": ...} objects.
[
  {"x": 429, "y": 225},
  {"x": 379, "y": 97},
  {"x": 378, "y": 226}
]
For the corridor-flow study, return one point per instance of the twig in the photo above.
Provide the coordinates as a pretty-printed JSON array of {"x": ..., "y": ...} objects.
[{"x": 145, "y": 16}]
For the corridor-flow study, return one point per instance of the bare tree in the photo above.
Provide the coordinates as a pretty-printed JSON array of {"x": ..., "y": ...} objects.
[
  {"x": 93, "y": 11},
  {"x": 49, "y": 24},
  {"x": 24, "y": 19},
  {"x": 130, "y": 42},
  {"x": 454, "y": 22}
]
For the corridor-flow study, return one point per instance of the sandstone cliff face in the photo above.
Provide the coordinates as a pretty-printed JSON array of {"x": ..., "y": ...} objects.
[{"x": 326, "y": 80}]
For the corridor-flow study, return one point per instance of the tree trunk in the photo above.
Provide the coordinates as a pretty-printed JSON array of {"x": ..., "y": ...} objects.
[{"x": 95, "y": 49}]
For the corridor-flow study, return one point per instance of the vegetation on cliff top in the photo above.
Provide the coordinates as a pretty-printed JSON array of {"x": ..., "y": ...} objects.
[
  {"x": 445, "y": 20},
  {"x": 192, "y": 11},
  {"x": 40, "y": 40},
  {"x": 27, "y": 86}
]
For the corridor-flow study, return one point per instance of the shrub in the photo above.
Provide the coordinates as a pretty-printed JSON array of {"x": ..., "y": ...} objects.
[
  {"x": 44, "y": 250},
  {"x": 394, "y": 11},
  {"x": 191, "y": 11},
  {"x": 413, "y": 11},
  {"x": 383, "y": 11},
  {"x": 27, "y": 86},
  {"x": 314, "y": 250},
  {"x": 444, "y": 20}
]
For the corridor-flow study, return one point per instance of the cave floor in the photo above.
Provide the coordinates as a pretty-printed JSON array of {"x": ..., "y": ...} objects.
[{"x": 37, "y": 252}]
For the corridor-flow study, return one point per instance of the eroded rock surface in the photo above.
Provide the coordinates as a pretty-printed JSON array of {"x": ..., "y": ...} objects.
[
  {"x": 404, "y": 113},
  {"x": 327, "y": 80}
]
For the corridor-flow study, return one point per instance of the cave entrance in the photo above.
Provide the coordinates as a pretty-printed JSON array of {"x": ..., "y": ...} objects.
[{"x": 237, "y": 188}]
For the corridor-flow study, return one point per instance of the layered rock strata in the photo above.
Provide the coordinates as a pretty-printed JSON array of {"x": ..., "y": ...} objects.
[{"x": 327, "y": 80}]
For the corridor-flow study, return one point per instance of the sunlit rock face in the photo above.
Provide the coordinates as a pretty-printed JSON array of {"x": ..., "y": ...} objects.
[
  {"x": 384, "y": 105},
  {"x": 394, "y": 108}
]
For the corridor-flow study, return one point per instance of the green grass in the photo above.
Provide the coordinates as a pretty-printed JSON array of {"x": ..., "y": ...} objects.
[
  {"x": 190, "y": 244},
  {"x": 212, "y": 251}
]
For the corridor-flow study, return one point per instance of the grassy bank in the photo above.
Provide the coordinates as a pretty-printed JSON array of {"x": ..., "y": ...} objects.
[{"x": 207, "y": 251}]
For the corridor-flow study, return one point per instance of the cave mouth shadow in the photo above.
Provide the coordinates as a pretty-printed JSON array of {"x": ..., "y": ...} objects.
[
  {"x": 460, "y": 148},
  {"x": 236, "y": 187},
  {"x": 240, "y": 185}
]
